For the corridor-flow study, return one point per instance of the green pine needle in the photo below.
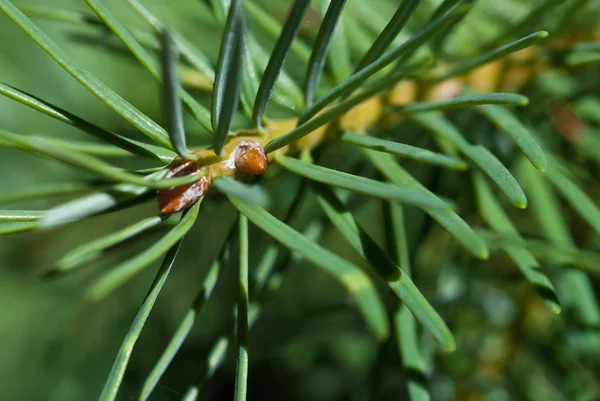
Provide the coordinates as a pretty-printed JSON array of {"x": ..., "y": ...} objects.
[
  {"x": 493, "y": 55},
  {"x": 356, "y": 282},
  {"x": 186, "y": 324},
  {"x": 478, "y": 154},
  {"x": 133, "y": 146},
  {"x": 228, "y": 81},
  {"x": 20, "y": 215},
  {"x": 323, "y": 43},
  {"x": 402, "y": 150},
  {"x": 389, "y": 33},
  {"x": 398, "y": 281},
  {"x": 171, "y": 101},
  {"x": 359, "y": 78},
  {"x": 277, "y": 59},
  {"x": 493, "y": 214},
  {"x": 92, "y": 250},
  {"x": 401, "y": 193},
  {"x": 446, "y": 217},
  {"x": 505, "y": 99},
  {"x": 93, "y": 84},
  {"x": 241, "y": 374},
  {"x": 129, "y": 268},
  {"x": 117, "y": 372},
  {"x": 251, "y": 194}
]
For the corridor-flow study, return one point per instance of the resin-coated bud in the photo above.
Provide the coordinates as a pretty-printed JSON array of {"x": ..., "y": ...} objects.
[
  {"x": 250, "y": 158},
  {"x": 176, "y": 199}
]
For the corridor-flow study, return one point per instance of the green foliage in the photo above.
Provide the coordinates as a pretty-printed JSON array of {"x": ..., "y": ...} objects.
[
  {"x": 111, "y": 388},
  {"x": 323, "y": 42},
  {"x": 226, "y": 93},
  {"x": 390, "y": 199},
  {"x": 278, "y": 56}
]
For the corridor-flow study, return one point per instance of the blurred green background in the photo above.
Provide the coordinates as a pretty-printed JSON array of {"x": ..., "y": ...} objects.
[{"x": 309, "y": 343}]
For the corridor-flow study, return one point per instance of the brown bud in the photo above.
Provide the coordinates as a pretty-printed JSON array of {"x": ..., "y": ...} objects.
[
  {"x": 250, "y": 158},
  {"x": 176, "y": 199}
]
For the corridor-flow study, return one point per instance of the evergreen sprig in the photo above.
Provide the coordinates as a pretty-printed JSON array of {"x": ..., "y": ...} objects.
[{"x": 346, "y": 107}]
